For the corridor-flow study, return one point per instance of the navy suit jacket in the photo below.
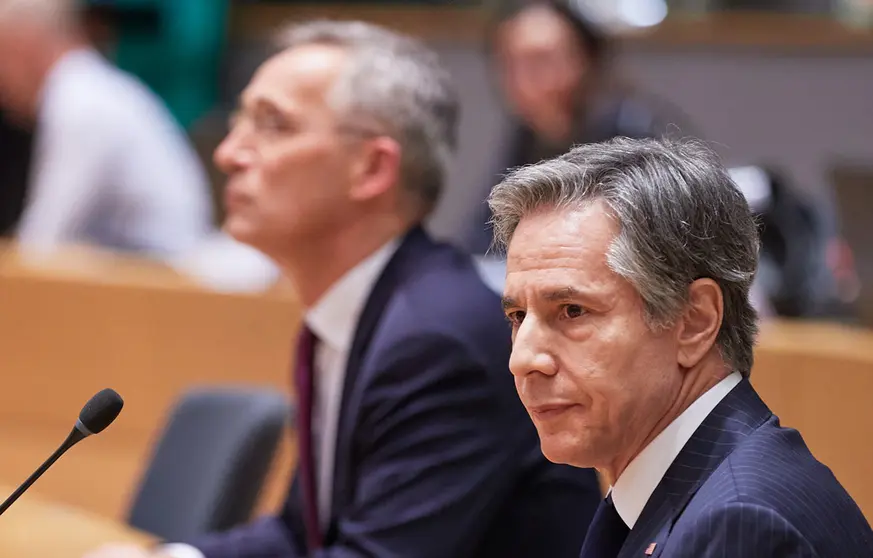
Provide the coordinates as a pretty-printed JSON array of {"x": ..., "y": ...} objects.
[
  {"x": 436, "y": 456},
  {"x": 744, "y": 486}
]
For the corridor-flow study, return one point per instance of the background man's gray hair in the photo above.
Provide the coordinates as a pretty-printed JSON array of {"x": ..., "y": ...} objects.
[
  {"x": 397, "y": 86},
  {"x": 681, "y": 218}
]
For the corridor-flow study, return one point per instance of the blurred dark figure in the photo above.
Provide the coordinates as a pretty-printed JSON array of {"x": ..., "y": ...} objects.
[
  {"x": 804, "y": 271},
  {"x": 553, "y": 67},
  {"x": 16, "y": 144}
]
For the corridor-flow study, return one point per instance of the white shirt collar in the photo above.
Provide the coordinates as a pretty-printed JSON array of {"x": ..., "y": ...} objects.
[
  {"x": 638, "y": 481},
  {"x": 334, "y": 318}
]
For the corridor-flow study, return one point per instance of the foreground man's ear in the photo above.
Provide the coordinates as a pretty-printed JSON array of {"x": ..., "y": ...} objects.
[{"x": 699, "y": 324}]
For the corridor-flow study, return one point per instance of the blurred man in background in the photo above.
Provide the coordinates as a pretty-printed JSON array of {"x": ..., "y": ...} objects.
[
  {"x": 412, "y": 441},
  {"x": 110, "y": 165}
]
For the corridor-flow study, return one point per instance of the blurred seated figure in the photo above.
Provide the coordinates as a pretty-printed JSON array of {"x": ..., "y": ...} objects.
[
  {"x": 552, "y": 64},
  {"x": 110, "y": 165}
]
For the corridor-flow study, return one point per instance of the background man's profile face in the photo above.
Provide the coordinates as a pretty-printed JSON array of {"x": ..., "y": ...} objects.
[
  {"x": 287, "y": 165},
  {"x": 590, "y": 371}
]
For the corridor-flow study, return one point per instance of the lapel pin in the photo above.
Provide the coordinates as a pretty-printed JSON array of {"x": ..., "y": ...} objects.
[{"x": 651, "y": 549}]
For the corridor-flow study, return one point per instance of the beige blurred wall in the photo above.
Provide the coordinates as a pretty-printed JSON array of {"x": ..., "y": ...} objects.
[{"x": 798, "y": 111}]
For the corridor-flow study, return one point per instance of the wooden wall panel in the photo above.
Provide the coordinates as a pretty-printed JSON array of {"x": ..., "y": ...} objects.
[
  {"x": 819, "y": 379},
  {"x": 84, "y": 321}
]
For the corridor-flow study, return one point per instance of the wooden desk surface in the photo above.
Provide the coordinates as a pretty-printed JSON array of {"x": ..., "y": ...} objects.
[
  {"x": 818, "y": 377},
  {"x": 81, "y": 320},
  {"x": 84, "y": 263},
  {"x": 38, "y": 528}
]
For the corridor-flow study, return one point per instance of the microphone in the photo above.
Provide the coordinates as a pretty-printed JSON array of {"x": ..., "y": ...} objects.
[{"x": 96, "y": 415}]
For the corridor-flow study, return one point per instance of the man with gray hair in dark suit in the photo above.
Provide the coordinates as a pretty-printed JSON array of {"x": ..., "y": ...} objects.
[{"x": 629, "y": 265}]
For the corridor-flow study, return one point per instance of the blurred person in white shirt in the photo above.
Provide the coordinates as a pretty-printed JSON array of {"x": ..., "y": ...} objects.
[{"x": 111, "y": 167}]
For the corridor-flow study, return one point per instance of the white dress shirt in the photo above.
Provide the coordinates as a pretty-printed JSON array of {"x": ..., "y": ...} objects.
[
  {"x": 111, "y": 167},
  {"x": 639, "y": 480},
  {"x": 334, "y": 321}
]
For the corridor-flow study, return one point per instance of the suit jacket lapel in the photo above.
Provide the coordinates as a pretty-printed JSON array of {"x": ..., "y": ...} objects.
[
  {"x": 734, "y": 418},
  {"x": 410, "y": 251}
]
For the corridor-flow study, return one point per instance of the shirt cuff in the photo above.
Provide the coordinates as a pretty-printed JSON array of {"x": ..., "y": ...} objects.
[{"x": 179, "y": 551}]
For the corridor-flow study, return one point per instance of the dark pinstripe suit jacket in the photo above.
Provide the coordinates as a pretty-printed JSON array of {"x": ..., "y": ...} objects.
[{"x": 745, "y": 487}]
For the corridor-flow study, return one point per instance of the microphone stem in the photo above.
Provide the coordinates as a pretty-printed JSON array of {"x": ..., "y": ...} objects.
[{"x": 74, "y": 437}]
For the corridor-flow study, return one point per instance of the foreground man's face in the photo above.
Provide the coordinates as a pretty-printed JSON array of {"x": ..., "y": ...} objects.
[{"x": 593, "y": 376}]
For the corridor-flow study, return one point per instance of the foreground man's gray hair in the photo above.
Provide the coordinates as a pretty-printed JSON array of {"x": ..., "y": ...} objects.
[
  {"x": 396, "y": 86},
  {"x": 681, "y": 218}
]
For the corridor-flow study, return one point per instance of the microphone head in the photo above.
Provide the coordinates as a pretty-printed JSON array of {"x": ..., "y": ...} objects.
[{"x": 101, "y": 410}]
